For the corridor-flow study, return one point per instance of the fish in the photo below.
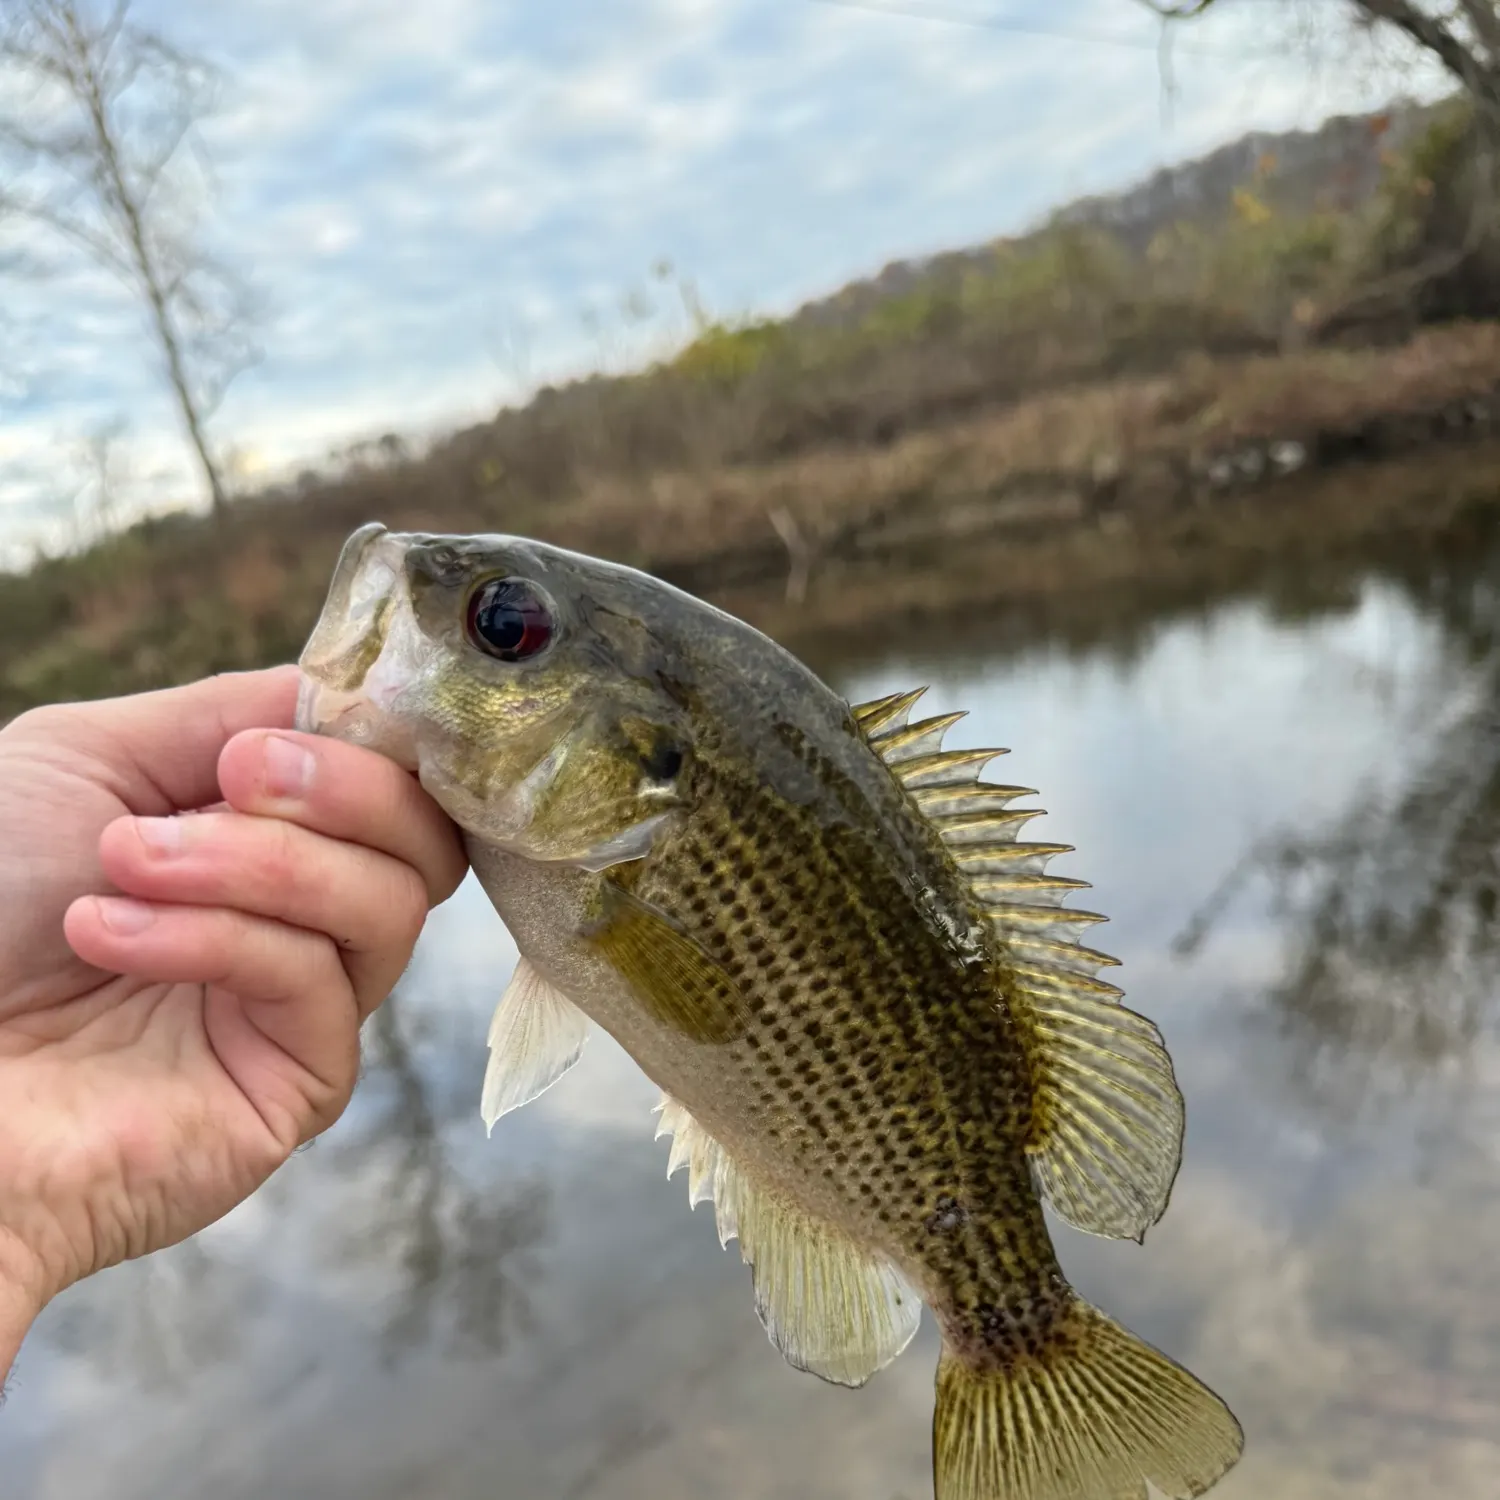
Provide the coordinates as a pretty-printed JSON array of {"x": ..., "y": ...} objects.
[{"x": 880, "y": 1043}]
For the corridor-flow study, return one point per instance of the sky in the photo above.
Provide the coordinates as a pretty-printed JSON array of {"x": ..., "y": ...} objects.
[{"x": 438, "y": 206}]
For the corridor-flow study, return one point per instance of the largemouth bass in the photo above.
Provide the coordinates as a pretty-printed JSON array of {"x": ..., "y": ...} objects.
[{"x": 879, "y": 1044}]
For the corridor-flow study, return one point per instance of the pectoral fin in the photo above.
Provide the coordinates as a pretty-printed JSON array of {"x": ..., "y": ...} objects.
[{"x": 678, "y": 981}]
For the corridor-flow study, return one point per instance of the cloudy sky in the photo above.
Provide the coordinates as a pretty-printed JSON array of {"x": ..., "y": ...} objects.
[{"x": 439, "y": 204}]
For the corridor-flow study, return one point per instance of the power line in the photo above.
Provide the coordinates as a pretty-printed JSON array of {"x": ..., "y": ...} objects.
[{"x": 947, "y": 16}]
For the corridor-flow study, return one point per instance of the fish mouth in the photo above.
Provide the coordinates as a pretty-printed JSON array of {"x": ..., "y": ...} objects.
[{"x": 366, "y": 650}]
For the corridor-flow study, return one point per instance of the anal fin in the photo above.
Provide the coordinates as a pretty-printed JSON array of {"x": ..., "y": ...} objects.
[
  {"x": 831, "y": 1306},
  {"x": 536, "y": 1035}
]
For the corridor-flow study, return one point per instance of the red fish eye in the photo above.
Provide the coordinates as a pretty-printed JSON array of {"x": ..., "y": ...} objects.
[{"x": 509, "y": 618}]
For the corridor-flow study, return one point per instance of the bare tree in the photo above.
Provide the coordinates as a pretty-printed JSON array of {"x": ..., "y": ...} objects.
[
  {"x": 95, "y": 113},
  {"x": 1450, "y": 260},
  {"x": 1462, "y": 35}
]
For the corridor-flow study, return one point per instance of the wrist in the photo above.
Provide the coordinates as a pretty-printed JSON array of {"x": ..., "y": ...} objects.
[{"x": 21, "y": 1298}]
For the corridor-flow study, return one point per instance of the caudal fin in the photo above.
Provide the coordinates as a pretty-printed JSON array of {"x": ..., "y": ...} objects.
[{"x": 1092, "y": 1417}]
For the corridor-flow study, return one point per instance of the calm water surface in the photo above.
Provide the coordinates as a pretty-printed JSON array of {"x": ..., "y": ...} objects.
[{"x": 1293, "y": 823}]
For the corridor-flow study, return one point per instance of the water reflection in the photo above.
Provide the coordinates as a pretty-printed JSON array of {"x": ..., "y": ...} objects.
[
  {"x": 464, "y": 1254},
  {"x": 1289, "y": 807},
  {"x": 1388, "y": 905}
]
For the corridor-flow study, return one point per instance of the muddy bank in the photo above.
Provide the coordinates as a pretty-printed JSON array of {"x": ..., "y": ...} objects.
[
  {"x": 1077, "y": 509},
  {"x": 1087, "y": 572}
]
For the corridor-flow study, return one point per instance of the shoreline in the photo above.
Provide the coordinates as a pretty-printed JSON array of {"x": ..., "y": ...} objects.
[{"x": 1070, "y": 511}]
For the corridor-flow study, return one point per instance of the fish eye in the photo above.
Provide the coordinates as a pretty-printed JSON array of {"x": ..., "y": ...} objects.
[{"x": 509, "y": 618}]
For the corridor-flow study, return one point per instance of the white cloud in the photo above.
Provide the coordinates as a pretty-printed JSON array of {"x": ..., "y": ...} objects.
[{"x": 405, "y": 182}]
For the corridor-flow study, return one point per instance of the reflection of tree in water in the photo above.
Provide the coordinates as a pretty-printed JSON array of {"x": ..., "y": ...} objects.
[
  {"x": 1390, "y": 907},
  {"x": 458, "y": 1245},
  {"x": 159, "y": 1319},
  {"x": 393, "y": 1197}
]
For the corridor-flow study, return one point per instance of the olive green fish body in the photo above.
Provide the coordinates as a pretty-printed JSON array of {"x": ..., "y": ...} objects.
[
  {"x": 878, "y": 1077},
  {"x": 878, "y": 1044}
]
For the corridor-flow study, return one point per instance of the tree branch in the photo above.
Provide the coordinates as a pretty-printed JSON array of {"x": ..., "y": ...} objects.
[
  {"x": 90, "y": 164},
  {"x": 1434, "y": 36}
]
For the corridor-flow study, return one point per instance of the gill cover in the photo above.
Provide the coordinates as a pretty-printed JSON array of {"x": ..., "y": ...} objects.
[{"x": 574, "y": 754}]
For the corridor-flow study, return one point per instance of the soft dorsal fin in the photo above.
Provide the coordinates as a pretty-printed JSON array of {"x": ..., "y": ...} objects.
[
  {"x": 535, "y": 1037},
  {"x": 830, "y": 1306},
  {"x": 1106, "y": 1137}
]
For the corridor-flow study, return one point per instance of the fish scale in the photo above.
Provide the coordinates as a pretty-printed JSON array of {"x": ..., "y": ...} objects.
[
  {"x": 898, "y": 985},
  {"x": 819, "y": 932}
]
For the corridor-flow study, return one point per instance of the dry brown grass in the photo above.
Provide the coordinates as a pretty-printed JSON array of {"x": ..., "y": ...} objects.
[{"x": 1025, "y": 502}]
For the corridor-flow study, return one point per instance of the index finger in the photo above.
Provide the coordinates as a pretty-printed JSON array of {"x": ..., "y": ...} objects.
[{"x": 346, "y": 792}]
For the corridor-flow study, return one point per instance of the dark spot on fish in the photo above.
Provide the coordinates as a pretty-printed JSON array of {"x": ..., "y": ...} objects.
[
  {"x": 950, "y": 1215},
  {"x": 662, "y": 761}
]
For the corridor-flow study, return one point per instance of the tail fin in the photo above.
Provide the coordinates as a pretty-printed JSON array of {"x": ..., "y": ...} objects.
[{"x": 1092, "y": 1417}]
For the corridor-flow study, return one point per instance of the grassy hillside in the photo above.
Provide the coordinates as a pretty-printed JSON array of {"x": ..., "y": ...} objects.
[{"x": 1117, "y": 368}]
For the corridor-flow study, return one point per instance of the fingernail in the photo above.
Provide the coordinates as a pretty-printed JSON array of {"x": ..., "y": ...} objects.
[
  {"x": 160, "y": 835},
  {"x": 289, "y": 767},
  {"x": 122, "y": 915}
]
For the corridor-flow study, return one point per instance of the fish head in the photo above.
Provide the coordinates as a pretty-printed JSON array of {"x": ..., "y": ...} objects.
[{"x": 529, "y": 688}]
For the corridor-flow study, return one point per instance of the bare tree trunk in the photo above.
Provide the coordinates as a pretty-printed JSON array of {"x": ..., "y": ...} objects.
[
  {"x": 151, "y": 285},
  {"x": 88, "y": 171},
  {"x": 119, "y": 190}
]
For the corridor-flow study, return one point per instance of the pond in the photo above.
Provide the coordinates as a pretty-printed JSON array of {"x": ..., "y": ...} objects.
[{"x": 1290, "y": 814}]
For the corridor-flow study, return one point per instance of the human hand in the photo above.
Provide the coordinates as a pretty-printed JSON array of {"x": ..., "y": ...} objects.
[{"x": 181, "y": 996}]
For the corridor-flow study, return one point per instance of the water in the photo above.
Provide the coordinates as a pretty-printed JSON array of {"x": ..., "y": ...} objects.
[{"x": 1291, "y": 816}]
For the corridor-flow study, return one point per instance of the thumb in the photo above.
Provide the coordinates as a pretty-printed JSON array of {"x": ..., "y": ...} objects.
[{"x": 166, "y": 744}]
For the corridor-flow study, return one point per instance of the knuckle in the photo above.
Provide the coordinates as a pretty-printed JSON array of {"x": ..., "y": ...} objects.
[
  {"x": 278, "y": 862},
  {"x": 45, "y": 722},
  {"x": 410, "y": 905}
]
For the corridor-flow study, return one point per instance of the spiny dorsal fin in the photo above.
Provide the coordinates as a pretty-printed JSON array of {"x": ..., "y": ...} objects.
[
  {"x": 912, "y": 741},
  {"x": 943, "y": 802},
  {"x": 1106, "y": 1136},
  {"x": 829, "y": 1306},
  {"x": 885, "y": 713},
  {"x": 1001, "y": 858},
  {"x": 995, "y": 825}
]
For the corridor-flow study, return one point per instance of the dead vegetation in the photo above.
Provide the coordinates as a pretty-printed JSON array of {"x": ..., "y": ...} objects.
[{"x": 1109, "y": 403}]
